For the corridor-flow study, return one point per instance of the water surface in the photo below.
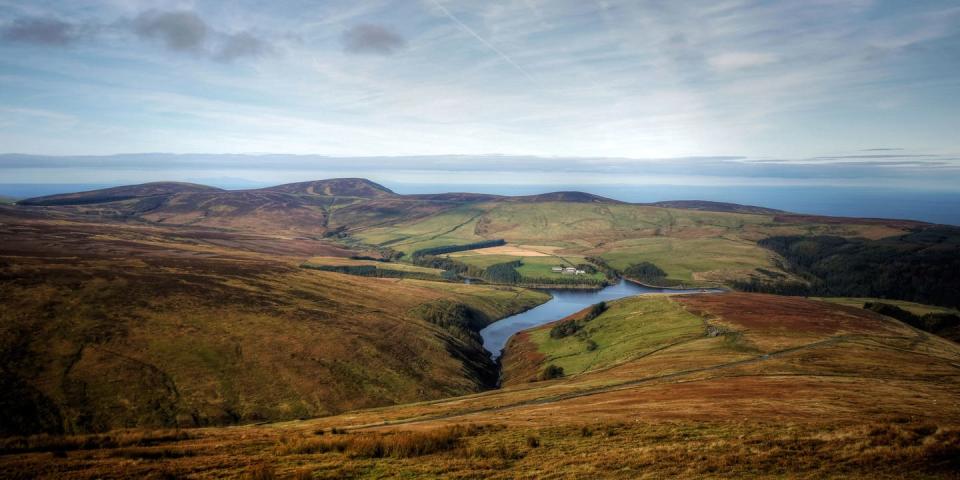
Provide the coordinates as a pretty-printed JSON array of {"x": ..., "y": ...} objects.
[{"x": 563, "y": 303}]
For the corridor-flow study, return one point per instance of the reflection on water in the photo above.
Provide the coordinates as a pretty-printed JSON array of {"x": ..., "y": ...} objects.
[{"x": 563, "y": 303}]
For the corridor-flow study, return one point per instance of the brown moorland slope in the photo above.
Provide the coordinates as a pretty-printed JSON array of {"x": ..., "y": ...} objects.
[
  {"x": 116, "y": 194},
  {"x": 770, "y": 387},
  {"x": 107, "y": 325}
]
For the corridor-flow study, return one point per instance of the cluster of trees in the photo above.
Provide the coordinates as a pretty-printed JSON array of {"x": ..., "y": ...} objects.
[
  {"x": 573, "y": 326},
  {"x": 922, "y": 266},
  {"x": 552, "y": 371},
  {"x": 452, "y": 315},
  {"x": 442, "y": 263},
  {"x": 646, "y": 272},
  {"x": 944, "y": 324},
  {"x": 443, "y": 250},
  {"x": 601, "y": 265},
  {"x": 503, "y": 273}
]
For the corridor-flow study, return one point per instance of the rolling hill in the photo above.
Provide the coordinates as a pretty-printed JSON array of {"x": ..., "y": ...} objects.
[
  {"x": 133, "y": 313},
  {"x": 694, "y": 242},
  {"x": 117, "y": 194},
  {"x": 110, "y": 325},
  {"x": 709, "y": 386}
]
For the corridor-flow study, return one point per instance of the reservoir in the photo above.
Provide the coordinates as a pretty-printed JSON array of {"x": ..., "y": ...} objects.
[{"x": 563, "y": 303}]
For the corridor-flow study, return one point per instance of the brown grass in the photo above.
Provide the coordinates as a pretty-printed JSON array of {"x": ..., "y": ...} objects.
[
  {"x": 892, "y": 447},
  {"x": 404, "y": 444},
  {"x": 64, "y": 443}
]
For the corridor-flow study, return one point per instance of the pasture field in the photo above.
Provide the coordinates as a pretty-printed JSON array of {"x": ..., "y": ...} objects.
[
  {"x": 532, "y": 267},
  {"x": 694, "y": 247},
  {"x": 692, "y": 260}
]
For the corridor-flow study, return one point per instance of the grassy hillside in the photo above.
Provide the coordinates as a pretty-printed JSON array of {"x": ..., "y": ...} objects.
[
  {"x": 746, "y": 386},
  {"x": 112, "y": 325},
  {"x": 695, "y": 242},
  {"x": 627, "y": 329},
  {"x": 692, "y": 246},
  {"x": 912, "y": 307}
]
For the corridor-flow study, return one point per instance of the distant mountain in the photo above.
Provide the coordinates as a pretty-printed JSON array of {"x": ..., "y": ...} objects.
[
  {"x": 457, "y": 197},
  {"x": 117, "y": 194},
  {"x": 573, "y": 197},
  {"x": 337, "y": 187},
  {"x": 707, "y": 206},
  {"x": 321, "y": 207}
]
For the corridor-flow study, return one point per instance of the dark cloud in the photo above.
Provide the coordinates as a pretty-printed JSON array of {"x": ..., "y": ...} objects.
[
  {"x": 243, "y": 44},
  {"x": 40, "y": 31},
  {"x": 372, "y": 39},
  {"x": 185, "y": 31},
  {"x": 180, "y": 31}
]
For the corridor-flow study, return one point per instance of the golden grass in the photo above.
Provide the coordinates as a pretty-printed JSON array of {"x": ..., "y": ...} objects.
[{"x": 886, "y": 447}]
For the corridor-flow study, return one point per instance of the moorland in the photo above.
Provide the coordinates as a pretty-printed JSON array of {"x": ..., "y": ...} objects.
[{"x": 325, "y": 330}]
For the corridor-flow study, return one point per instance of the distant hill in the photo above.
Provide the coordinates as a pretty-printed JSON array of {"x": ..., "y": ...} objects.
[
  {"x": 6, "y": 200},
  {"x": 117, "y": 194},
  {"x": 707, "y": 206},
  {"x": 573, "y": 197},
  {"x": 337, "y": 187}
]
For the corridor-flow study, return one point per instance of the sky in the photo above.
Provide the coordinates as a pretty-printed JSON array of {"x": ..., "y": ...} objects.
[{"x": 721, "y": 92}]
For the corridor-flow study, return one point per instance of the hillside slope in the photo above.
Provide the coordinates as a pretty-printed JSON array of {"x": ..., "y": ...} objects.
[
  {"x": 116, "y": 194},
  {"x": 757, "y": 386},
  {"x": 109, "y": 325}
]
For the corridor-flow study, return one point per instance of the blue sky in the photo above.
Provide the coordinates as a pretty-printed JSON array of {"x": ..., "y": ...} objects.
[{"x": 822, "y": 92}]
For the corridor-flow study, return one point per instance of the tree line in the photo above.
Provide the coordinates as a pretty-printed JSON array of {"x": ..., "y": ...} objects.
[
  {"x": 445, "y": 249},
  {"x": 921, "y": 266}
]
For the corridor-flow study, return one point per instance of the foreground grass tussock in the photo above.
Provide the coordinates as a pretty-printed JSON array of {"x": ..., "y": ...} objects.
[
  {"x": 893, "y": 448},
  {"x": 380, "y": 444},
  {"x": 63, "y": 443}
]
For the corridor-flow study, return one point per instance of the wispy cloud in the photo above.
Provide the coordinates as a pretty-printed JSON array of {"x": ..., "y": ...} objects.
[
  {"x": 781, "y": 80},
  {"x": 480, "y": 39}
]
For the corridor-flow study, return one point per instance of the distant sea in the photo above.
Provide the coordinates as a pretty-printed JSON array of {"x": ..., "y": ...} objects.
[{"x": 925, "y": 205}]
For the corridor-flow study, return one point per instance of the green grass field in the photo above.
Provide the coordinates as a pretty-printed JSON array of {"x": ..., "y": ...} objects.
[
  {"x": 689, "y": 260},
  {"x": 452, "y": 227},
  {"x": 691, "y": 246},
  {"x": 629, "y": 328}
]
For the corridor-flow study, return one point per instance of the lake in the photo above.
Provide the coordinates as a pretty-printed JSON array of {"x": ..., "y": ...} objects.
[{"x": 563, "y": 303}]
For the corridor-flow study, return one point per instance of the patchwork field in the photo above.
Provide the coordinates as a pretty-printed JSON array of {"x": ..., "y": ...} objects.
[{"x": 694, "y": 247}]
